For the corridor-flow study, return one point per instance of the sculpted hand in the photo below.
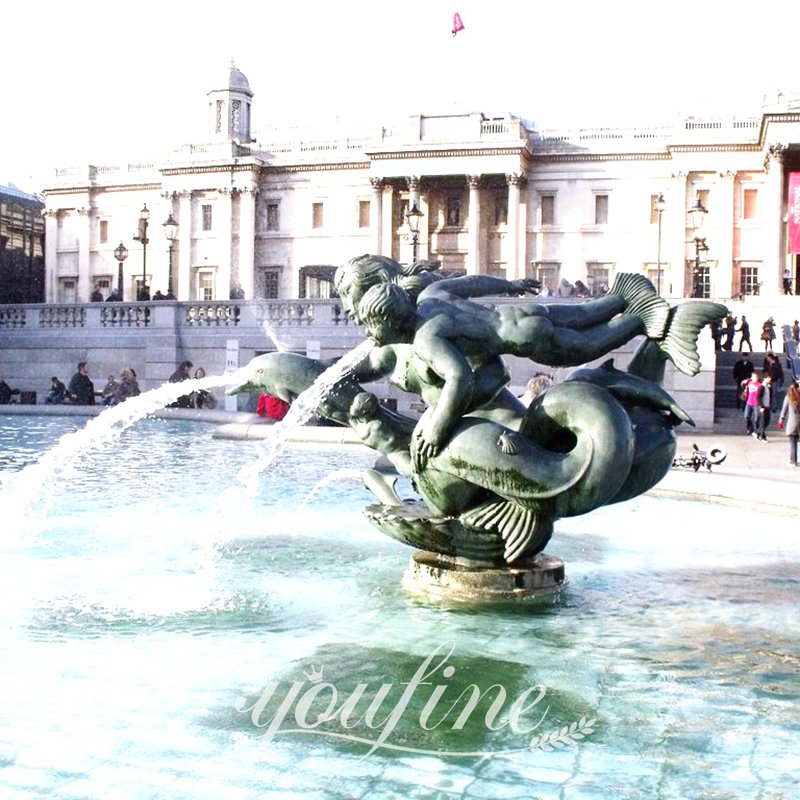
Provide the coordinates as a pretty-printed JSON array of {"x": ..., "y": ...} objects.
[
  {"x": 526, "y": 286},
  {"x": 425, "y": 443}
]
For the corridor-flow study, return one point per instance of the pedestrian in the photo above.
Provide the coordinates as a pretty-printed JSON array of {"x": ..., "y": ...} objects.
[
  {"x": 58, "y": 392},
  {"x": 182, "y": 374},
  {"x": 796, "y": 331},
  {"x": 744, "y": 329},
  {"x": 764, "y": 408},
  {"x": 789, "y": 419},
  {"x": 768, "y": 334},
  {"x": 128, "y": 386},
  {"x": 730, "y": 330},
  {"x": 772, "y": 367},
  {"x": 202, "y": 398},
  {"x": 752, "y": 390},
  {"x": 110, "y": 391},
  {"x": 742, "y": 370},
  {"x": 81, "y": 388},
  {"x": 787, "y": 282}
]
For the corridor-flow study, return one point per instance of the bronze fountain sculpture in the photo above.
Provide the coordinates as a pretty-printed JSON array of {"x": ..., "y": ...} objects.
[{"x": 493, "y": 475}]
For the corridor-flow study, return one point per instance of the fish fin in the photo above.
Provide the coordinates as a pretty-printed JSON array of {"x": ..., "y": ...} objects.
[
  {"x": 523, "y": 531},
  {"x": 642, "y": 301},
  {"x": 685, "y": 323}
]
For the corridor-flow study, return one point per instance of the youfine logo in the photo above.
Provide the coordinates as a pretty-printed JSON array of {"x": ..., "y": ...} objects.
[{"x": 372, "y": 715}]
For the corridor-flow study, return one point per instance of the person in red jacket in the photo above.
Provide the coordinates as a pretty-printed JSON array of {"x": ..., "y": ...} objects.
[{"x": 271, "y": 407}]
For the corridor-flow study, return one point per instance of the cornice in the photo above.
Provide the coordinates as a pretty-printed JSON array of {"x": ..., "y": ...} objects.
[
  {"x": 712, "y": 148},
  {"x": 121, "y": 187},
  {"x": 192, "y": 169},
  {"x": 273, "y": 169},
  {"x": 555, "y": 158},
  {"x": 449, "y": 152}
]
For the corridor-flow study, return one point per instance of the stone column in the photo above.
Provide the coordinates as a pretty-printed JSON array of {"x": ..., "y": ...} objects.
[
  {"x": 51, "y": 255},
  {"x": 721, "y": 245},
  {"x": 474, "y": 254},
  {"x": 84, "y": 287},
  {"x": 515, "y": 182},
  {"x": 376, "y": 216},
  {"x": 183, "y": 284},
  {"x": 245, "y": 268},
  {"x": 415, "y": 197},
  {"x": 771, "y": 274},
  {"x": 222, "y": 283},
  {"x": 387, "y": 221}
]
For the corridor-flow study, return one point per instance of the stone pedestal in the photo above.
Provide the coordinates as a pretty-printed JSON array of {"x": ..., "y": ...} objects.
[{"x": 439, "y": 577}]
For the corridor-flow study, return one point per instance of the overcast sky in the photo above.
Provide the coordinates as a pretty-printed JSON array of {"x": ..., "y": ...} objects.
[{"x": 93, "y": 81}]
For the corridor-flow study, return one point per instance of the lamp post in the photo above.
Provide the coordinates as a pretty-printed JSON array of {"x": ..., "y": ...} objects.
[
  {"x": 121, "y": 253},
  {"x": 171, "y": 232},
  {"x": 414, "y": 215},
  {"x": 698, "y": 214},
  {"x": 659, "y": 207},
  {"x": 141, "y": 236}
]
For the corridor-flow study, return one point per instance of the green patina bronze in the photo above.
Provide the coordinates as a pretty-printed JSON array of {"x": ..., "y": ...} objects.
[{"x": 494, "y": 475}]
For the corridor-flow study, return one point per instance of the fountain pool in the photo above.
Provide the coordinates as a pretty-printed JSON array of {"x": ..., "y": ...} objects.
[{"x": 172, "y": 626}]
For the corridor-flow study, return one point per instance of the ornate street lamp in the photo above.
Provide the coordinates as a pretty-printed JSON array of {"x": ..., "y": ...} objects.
[
  {"x": 413, "y": 216},
  {"x": 141, "y": 236},
  {"x": 171, "y": 232},
  {"x": 659, "y": 207},
  {"x": 698, "y": 214},
  {"x": 121, "y": 253}
]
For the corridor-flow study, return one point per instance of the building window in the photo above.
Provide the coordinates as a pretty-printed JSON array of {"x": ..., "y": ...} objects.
[
  {"x": 268, "y": 283},
  {"x": 207, "y": 217},
  {"x": 363, "y": 213},
  {"x": 103, "y": 231},
  {"x": 402, "y": 210},
  {"x": 67, "y": 290},
  {"x": 316, "y": 215},
  {"x": 548, "y": 207},
  {"x": 205, "y": 285},
  {"x": 597, "y": 277},
  {"x": 749, "y": 203},
  {"x": 547, "y": 273},
  {"x": 601, "y": 209},
  {"x": 273, "y": 219},
  {"x": 748, "y": 278},
  {"x": 501, "y": 211},
  {"x": 317, "y": 282},
  {"x": 218, "y": 123},
  {"x": 236, "y": 116},
  {"x": 453, "y": 212}
]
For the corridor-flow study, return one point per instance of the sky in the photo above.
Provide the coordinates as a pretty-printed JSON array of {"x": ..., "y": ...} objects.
[{"x": 94, "y": 82}]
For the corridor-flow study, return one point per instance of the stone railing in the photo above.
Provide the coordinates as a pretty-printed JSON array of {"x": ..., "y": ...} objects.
[{"x": 319, "y": 314}]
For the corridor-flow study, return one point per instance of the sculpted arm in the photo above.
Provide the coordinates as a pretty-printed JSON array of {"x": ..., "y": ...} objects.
[
  {"x": 444, "y": 359},
  {"x": 477, "y": 286}
]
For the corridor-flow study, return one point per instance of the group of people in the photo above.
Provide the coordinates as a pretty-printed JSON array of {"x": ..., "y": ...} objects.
[
  {"x": 200, "y": 398},
  {"x": 758, "y": 395},
  {"x": 80, "y": 390},
  {"x": 724, "y": 333}
]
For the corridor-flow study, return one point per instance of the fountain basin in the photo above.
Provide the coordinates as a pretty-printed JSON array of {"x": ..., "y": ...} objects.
[{"x": 145, "y": 610}]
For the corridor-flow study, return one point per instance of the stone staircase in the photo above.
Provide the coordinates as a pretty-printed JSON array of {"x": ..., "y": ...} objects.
[{"x": 727, "y": 418}]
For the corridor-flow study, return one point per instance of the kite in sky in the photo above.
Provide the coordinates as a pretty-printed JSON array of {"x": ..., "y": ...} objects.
[{"x": 458, "y": 25}]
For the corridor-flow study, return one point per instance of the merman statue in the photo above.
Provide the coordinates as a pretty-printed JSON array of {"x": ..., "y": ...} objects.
[{"x": 493, "y": 476}]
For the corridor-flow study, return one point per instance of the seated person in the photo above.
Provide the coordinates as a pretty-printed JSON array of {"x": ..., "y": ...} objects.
[{"x": 58, "y": 392}]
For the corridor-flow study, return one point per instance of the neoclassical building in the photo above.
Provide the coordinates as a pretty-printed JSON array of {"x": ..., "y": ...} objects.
[{"x": 275, "y": 214}]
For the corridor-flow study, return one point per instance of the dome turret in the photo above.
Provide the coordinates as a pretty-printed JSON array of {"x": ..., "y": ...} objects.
[{"x": 229, "y": 108}]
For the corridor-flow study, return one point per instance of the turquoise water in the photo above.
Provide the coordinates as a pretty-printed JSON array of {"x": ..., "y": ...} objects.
[{"x": 172, "y": 625}]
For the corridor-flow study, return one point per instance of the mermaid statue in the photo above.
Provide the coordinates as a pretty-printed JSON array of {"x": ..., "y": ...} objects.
[{"x": 493, "y": 475}]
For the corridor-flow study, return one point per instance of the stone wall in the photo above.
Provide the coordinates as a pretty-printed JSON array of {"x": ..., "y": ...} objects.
[{"x": 39, "y": 341}]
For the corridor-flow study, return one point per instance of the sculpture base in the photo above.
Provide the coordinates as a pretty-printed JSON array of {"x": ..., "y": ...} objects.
[{"x": 440, "y": 577}]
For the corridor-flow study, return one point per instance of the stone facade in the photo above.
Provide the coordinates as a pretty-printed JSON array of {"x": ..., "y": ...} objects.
[{"x": 276, "y": 213}]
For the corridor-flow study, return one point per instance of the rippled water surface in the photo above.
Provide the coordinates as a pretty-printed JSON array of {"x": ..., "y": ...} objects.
[{"x": 173, "y": 627}]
